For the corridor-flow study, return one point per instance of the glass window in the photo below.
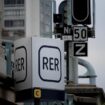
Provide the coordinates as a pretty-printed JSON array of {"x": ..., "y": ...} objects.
[
  {"x": 12, "y": 2},
  {"x": 8, "y": 23},
  {"x": 14, "y": 12},
  {"x": 14, "y": 23},
  {"x": 6, "y": 1},
  {"x": 20, "y": 1},
  {"x": 17, "y": 23}
]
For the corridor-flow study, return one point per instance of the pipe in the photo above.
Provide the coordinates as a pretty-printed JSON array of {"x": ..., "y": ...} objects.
[
  {"x": 94, "y": 15},
  {"x": 8, "y": 50},
  {"x": 54, "y": 6},
  {"x": 91, "y": 72}
]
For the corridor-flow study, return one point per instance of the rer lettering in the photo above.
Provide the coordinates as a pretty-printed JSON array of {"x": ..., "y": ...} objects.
[
  {"x": 50, "y": 63},
  {"x": 19, "y": 64}
]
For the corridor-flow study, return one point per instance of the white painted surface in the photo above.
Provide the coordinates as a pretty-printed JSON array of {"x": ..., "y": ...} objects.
[
  {"x": 48, "y": 76},
  {"x": 23, "y": 77},
  {"x": 50, "y": 79}
]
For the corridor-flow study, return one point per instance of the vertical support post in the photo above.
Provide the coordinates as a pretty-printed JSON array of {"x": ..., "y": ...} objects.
[
  {"x": 98, "y": 100},
  {"x": 73, "y": 65},
  {"x": 94, "y": 17},
  {"x": 8, "y": 47},
  {"x": 1, "y": 14},
  {"x": 72, "y": 61},
  {"x": 69, "y": 99}
]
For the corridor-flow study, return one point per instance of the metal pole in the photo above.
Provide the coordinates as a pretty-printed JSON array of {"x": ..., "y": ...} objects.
[
  {"x": 9, "y": 47},
  {"x": 90, "y": 71},
  {"x": 72, "y": 61}
]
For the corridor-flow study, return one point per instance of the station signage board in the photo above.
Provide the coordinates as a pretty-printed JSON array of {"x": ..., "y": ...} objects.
[
  {"x": 80, "y": 49},
  {"x": 39, "y": 64}
]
